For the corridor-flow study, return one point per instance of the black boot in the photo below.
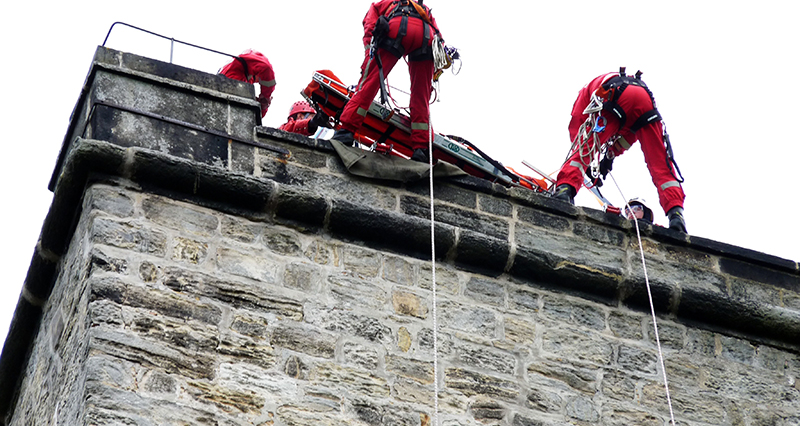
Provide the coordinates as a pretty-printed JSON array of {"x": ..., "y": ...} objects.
[
  {"x": 420, "y": 155},
  {"x": 676, "y": 220},
  {"x": 344, "y": 136},
  {"x": 565, "y": 193}
]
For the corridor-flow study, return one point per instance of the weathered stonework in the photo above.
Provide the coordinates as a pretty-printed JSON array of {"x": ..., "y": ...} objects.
[{"x": 251, "y": 281}]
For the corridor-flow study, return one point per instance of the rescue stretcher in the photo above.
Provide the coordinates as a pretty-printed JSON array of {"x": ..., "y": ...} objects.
[{"x": 389, "y": 131}]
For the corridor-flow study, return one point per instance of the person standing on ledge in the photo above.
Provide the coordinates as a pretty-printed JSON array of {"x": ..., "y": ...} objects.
[
  {"x": 394, "y": 29},
  {"x": 621, "y": 109}
]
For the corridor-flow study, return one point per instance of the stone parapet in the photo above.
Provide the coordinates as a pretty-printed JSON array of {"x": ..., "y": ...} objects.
[{"x": 198, "y": 268}]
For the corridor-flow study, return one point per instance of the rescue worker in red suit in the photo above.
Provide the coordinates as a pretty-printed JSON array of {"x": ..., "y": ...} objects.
[
  {"x": 403, "y": 18},
  {"x": 635, "y": 102},
  {"x": 253, "y": 67},
  {"x": 304, "y": 120}
]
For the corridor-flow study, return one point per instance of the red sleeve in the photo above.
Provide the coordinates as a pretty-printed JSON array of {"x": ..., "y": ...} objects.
[
  {"x": 369, "y": 22},
  {"x": 297, "y": 126},
  {"x": 234, "y": 70},
  {"x": 577, "y": 112}
]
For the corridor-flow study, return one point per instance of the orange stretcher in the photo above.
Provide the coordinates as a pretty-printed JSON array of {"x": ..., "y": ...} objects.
[{"x": 389, "y": 131}]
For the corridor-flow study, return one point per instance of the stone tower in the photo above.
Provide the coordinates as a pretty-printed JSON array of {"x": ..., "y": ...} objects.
[{"x": 197, "y": 269}]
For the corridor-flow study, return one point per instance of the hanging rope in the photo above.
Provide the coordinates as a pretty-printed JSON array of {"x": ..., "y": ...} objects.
[
  {"x": 433, "y": 280},
  {"x": 652, "y": 307}
]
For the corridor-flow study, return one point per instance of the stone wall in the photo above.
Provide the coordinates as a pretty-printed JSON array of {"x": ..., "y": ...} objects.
[{"x": 247, "y": 280}]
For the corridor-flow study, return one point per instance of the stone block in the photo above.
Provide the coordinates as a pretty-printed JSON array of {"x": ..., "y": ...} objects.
[
  {"x": 444, "y": 192},
  {"x": 486, "y": 291},
  {"x": 360, "y": 262},
  {"x": 637, "y": 360},
  {"x": 304, "y": 339},
  {"x": 398, "y": 270},
  {"x": 578, "y": 345},
  {"x": 179, "y": 216},
  {"x": 102, "y": 262},
  {"x": 478, "y": 253},
  {"x": 322, "y": 253},
  {"x": 154, "y": 300},
  {"x": 580, "y": 378},
  {"x": 128, "y": 235},
  {"x": 250, "y": 325},
  {"x": 447, "y": 281},
  {"x": 519, "y": 331},
  {"x": 301, "y": 276},
  {"x": 240, "y": 229},
  {"x": 455, "y": 216},
  {"x": 296, "y": 206},
  {"x": 189, "y": 251},
  {"x": 256, "y": 265},
  {"x": 468, "y": 319},
  {"x": 360, "y": 355},
  {"x": 351, "y": 323},
  {"x": 226, "y": 399},
  {"x": 476, "y": 384},
  {"x": 574, "y": 312},
  {"x": 406, "y": 303},
  {"x": 749, "y": 271},
  {"x": 389, "y": 230},
  {"x": 355, "y": 292},
  {"x": 524, "y": 300},
  {"x": 484, "y": 358},
  {"x": 354, "y": 380},
  {"x": 284, "y": 243},
  {"x": 420, "y": 371},
  {"x": 236, "y": 294},
  {"x": 495, "y": 206},
  {"x": 152, "y": 354},
  {"x": 542, "y": 219},
  {"x": 114, "y": 201},
  {"x": 625, "y": 325}
]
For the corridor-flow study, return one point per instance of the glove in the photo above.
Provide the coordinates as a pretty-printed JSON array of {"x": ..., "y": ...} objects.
[
  {"x": 606, "y": 164},
  {"x": 265, "y": 102},
  {"x": 321, "y": 119}
]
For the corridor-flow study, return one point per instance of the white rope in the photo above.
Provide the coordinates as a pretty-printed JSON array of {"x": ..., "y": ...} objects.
[
  {"x": 652, "y": 308},
  {"x": 433, "y": 286}
]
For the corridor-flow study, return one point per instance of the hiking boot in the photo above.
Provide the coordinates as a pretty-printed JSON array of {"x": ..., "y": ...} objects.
[
  {"x": 420, "y": 155},
  {"x": 344, "y": 136},
  {"x": 676, "y": 220},
  {"x": 565, "y": 193}
]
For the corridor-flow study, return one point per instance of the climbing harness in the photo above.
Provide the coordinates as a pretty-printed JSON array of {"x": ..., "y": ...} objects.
[
  {"x": 605, "y": 98},
  {"x": 652, "y": 306}
]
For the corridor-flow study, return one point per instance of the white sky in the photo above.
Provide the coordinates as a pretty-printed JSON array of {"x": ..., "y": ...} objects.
[{"x": 723, "y": 73}]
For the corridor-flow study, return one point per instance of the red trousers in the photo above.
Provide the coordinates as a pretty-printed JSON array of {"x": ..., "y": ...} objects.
[
  {"x": 421, "y": 73},
  {"x": 634, "y": 101}
]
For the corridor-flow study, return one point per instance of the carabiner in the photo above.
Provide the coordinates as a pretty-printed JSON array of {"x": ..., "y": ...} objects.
[{"x": 597, "y": 127}]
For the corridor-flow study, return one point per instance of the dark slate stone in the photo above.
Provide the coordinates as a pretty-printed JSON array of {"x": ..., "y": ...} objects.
[
  {"x": 543, "y": 269},
  {"x": 108, "y": 124},
  {"x": 495, "y": 205},
  {"x": 273, "y": 135},
  {"x": 85, "y": 156},
  {"x": 211, "y": 183},
  {"x": 462, "y": 218},
  {"x": 543, "y": 202},
  {"x": 41, "y": 276},
  {"x": 299, "y": 207},
  {"x": 482, "y": 254},
  {"x": 607, "y": 218},
  {"x": 170, "y": 71},
  {"x": 744, "y": 254},
  {"x": 542, "y": 219},
  {"x": 757, "y": 273},
  {"x": 448, "y": 193},
  {"x": 635, "y": 295},
  {"x": 743, "y": 316},
  {"x": 14, "y": 358},
  {"x": 389, "y": 230},
  {"x": 600, "y": 234}
]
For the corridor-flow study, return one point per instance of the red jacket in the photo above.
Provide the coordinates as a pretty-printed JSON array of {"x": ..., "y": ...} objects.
[
  {"x": 259, "y": 70},
  {"x": 297, "y": 126},
  {"x": 382, "y": 8}
]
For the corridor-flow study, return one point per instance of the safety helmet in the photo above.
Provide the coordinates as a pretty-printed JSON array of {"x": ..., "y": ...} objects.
[
  {"x": 639, "y": 204},
  {"x": 301, "y": 106}
]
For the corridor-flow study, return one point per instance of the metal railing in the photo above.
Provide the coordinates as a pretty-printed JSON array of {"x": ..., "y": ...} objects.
[{"x": 171, "y": 39}]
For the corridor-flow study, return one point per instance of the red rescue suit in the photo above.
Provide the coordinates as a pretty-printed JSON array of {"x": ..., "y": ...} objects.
[
  {"x": 259, "y": 70},
  {"x": 421, "y": 71},
  {"x": 635, "y": 101},
  {"x": 298, "y": 125}
]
